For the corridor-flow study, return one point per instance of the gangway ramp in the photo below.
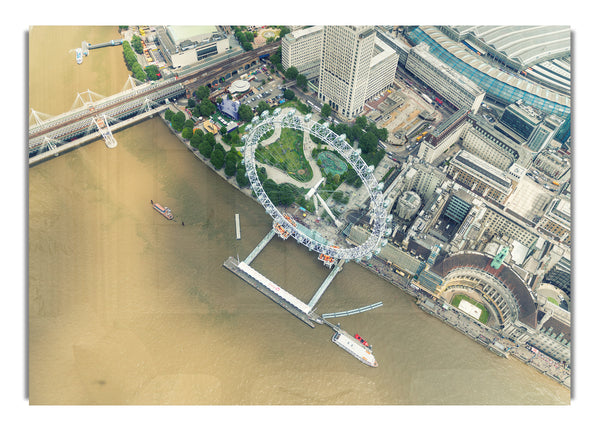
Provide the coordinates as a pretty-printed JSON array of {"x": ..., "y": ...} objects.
[
  {"x": 351, "y": 312},
  {"x": 259, "y": 247},
  {"x": 337, "y": 268}
]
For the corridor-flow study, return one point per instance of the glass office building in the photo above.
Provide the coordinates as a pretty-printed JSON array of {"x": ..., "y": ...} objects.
[{"x": 457, "y": 209}]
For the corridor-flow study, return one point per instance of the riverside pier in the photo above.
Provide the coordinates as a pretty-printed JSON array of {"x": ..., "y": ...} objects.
[
  {"x": 277, "y": 294},
  {"x": 304, "y": 312}
]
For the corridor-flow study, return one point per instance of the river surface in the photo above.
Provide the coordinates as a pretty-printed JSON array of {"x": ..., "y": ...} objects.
[{"x": 126, "y": 307}]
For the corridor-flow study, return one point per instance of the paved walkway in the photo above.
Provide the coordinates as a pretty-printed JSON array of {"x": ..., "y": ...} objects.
[
  {"x": 476, "y": 330},
  {"x": 278, "y": 175}
]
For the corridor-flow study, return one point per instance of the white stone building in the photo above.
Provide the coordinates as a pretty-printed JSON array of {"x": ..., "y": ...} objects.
[
  {"x": 302, "y": 49},
  {"x": 183, "y": 45},
  {"x": 345, "y": 66},
  {"x": 382, "y": 69},
  {"x": 451, "y": 85}
]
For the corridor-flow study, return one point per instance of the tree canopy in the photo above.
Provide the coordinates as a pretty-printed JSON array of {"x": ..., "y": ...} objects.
[
  {"x": 136, "y": 43},
  {"x": 132, "y": 63},
  {"x": 326, "y": 110},
  {"x": 231, "y": 159},
  {"x": 361, "y": 121},
  {"x": 187, "y": 133},
  {"x": 207, "y": 108},
  {"x": 275, "y": 59},
  {"x": 261, "y": 107},
  {"x": 217, "y": 158},
  {"x": 209, "y": 138},
  {"x": 302, "y": 82},
  {"x": 202, "y": 92},
  {"x": 368, "y": 142},
  {"x": 288, "y": 94},
  {"x": 240, "y": 177},
  {"x": 196, "y": 139},
  {"x": 245, "y": 113},
  {"x": 280, "y": 194},
  {"x": 152, "y": 72},
  {"x": 291, "y": 73},
  {"x": 205, "y": 149},
  {"x": 177, "y": 121}
]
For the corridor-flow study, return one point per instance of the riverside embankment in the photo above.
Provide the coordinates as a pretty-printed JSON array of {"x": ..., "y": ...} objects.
[{"x": 452, "y": 317}]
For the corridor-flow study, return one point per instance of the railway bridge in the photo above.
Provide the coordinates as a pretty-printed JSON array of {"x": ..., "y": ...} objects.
[{"x": 93, "y": 113}]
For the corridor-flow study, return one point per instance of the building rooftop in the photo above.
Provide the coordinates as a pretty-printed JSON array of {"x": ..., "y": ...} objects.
[
  {"x": 484, "y": 168},
  {"x": 516, "y": 285},
  {"x": 527, "y": 113},
  {"x": 554, "y": 328},
  {"x": 453, "y": 75},
  {"x": 180, "y": 33},
  {"x": 381, "y": 51},
  {"x": 298, "y": 34},
  {"x": 230, "y": 108},
  {"x": 460, "y": 53},
  {"x": 524, "y": 45},
  {"x": 239, "y": 86},
  {"x": 560, "y": 212},
  {"x": 445, "y": 125}
]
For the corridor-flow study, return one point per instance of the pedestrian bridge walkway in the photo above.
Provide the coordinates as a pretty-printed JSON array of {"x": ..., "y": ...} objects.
[
  {"x": 102, "y": 124},
  {"x": 259, "y": 247}
]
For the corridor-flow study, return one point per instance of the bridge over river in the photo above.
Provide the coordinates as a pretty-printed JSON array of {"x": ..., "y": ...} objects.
[{"x": 47, "y": 136}]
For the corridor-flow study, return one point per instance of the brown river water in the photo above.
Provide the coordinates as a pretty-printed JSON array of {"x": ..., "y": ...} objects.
[{"x": 126, "y": 307}]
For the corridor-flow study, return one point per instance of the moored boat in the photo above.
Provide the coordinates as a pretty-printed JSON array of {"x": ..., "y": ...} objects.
[
  {"x": 361, "y": 339},
  {"x": 79, "y": 55},
  {"x": 354, "y": 347}
]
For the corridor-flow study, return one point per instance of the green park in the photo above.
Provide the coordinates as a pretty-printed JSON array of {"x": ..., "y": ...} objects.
[{"x": 287, "y": 154}]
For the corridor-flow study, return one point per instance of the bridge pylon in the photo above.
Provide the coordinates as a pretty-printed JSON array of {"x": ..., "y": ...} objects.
[
  {"x": 37, "y": 118},
  {"x": 51, "y": 144},
  {"x": 131, "y": 83},
  {"x": 90, "y": 98},
  {"x": 148, "y": 105}
]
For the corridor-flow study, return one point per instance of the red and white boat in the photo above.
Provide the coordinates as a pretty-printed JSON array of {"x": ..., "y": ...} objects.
[{"x": 166, "y": 212}]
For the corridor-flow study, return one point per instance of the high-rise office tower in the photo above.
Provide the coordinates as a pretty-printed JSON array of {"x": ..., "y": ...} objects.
[{"x": 345, "y": 66}]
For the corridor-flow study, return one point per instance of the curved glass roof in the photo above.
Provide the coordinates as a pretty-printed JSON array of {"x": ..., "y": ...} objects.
[
  {"x": 498, "y": 84},
  {"x": 523, "y": 46}
]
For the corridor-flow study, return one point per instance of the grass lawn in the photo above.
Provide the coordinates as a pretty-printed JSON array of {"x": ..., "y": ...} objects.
[
  {"x": 485, "y": 314},
  {"x": 287, "y": 154}
]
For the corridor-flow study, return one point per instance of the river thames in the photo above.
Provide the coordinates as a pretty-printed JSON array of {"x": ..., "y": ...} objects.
[{"x": 126, "y": 307}]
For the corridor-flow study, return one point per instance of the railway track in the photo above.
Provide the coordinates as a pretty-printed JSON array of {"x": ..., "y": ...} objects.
[{"x": 199, "y": 77}]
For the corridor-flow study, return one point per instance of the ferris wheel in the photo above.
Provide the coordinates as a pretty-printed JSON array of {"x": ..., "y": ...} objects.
[{"x": 380, "y": 219}]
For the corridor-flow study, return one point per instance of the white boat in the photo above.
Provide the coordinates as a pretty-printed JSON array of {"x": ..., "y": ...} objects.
[
  {"x": 354, "y": 347},
  {"x": 79, "y": 55}
]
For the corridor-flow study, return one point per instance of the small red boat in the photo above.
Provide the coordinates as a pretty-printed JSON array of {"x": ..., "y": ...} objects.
[
  {"x": 361, "y": 339},
  {"x": 166, "y": 212}
]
